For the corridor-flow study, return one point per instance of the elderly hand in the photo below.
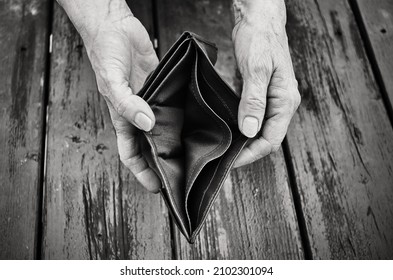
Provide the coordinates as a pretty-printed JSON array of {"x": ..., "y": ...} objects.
[
  {"x": 270, "y": 96},
  {"x": 122, "y": 56}
]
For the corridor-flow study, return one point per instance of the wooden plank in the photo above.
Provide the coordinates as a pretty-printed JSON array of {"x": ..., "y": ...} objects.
[
  {"x": 23, "y": 54},
  {"x": 340, "y": 138},
  {"x": 377, "y": 17},
  {"x": 254, "y": 216},
  {"x": 94, "y": 208}
]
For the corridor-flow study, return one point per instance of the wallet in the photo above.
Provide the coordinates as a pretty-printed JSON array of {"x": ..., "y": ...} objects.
[{"x": 196, "y": 138}]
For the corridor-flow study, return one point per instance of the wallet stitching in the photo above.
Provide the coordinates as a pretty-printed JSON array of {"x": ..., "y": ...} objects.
[
  {"x": 219, "y": 97},
  {"x": 219, "y": 187},
  {"x": 199, "y": 38},
  {"x": 221, "y": 125},
  {"x": 193, "y": 87},
  {"x": 160, "y": 85},
  {"x": 166, "y": 183},
  {"x": 177, "y": 221},
  {"x": 193, "y": 84},
  {"x": 215, "y": 172},
  {"x": 153, "y": 95},
  {"x": 223, "y": 82},
  {"x": 208, "y": 186},
  {"x": 147, "y": 86}
]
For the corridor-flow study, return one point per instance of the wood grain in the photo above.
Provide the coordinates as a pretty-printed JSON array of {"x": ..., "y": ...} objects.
[
  {"x": 340, "y": 138},
  {"x": 253, "y": 217},
  {"x": 377, "y": 17},
  {"x": 94, "y": 208},
  {"x": 23, "y": 54}
]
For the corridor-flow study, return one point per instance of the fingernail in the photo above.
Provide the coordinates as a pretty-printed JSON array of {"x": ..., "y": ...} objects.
[
  {"x": 250, "y": 126},
  {"x": 142, "y": 121}
]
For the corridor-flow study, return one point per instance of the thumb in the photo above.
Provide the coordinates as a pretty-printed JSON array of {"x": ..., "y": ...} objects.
[
  {"x": 131, "y": 107},
  {"x": 252, "y": 106},
  {"x": 130, "y": 154}
]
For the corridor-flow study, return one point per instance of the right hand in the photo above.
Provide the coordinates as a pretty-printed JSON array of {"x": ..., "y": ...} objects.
[{"x": 122, "y": 56}]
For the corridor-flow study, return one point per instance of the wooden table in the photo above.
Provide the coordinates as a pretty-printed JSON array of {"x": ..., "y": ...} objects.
[{"x": 327, "y": 194}]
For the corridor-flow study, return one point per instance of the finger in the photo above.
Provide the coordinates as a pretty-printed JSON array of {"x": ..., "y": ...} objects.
[
  {"x": 278, "y": 120},
  {"x": 278, "y": 116},
  {"x": 131, "y": 107},
  {"x": 273, "y": 133},
  {"x": 257, "y": 149},
  {"x": 129, "y": 152},
  {"x": 252, "y": 106},
  {"x": 134, "y": 161}
]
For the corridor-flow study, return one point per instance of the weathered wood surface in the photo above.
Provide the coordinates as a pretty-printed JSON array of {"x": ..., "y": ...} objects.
[
  {"x": 93, "y": 207},
  {"x": 253, "y": 217},
  {"x": 340, "y": 144},
  {"x": 340, "y": 138},
  {"x": 377, "y": 17},
  {"x": 23, "y": 50}
]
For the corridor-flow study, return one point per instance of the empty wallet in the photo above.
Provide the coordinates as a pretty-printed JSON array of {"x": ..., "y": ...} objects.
[{"x": 196, "y": 138}]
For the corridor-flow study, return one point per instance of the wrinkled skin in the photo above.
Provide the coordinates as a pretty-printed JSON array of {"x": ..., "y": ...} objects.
[
  {"x": 122, "y": 56},
  {"x": 270, "y": 95}
]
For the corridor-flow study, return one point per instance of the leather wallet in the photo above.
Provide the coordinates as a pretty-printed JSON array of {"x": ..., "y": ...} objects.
[{"x": 196, "y": 139}]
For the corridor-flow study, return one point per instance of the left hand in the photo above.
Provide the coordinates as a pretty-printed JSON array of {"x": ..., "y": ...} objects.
[{"x": 270, "y": 96}]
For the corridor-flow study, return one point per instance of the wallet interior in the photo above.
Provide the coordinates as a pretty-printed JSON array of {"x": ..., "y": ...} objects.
[{"x": 196, "y": 138}]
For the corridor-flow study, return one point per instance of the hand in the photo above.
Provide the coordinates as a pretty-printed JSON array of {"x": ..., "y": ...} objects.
[
  {"x": 121, "y": 56},
  {"x": 270, "y": 96}
]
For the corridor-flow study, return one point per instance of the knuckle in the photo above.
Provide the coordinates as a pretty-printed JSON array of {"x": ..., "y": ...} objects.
[
  {"x": 287, "y": 105},
  {"x": 297, "y": 98},
  {"x": 256, "y": 104},
  {"x": 252, "y": 157},
  {"x": 129, "y": 162},
  {"x": 123, "y": 160},
  {"x": 257, "y": 65},
  {"x": 262, "y": 68},
  {"x": 296, "y": 83},
  {"x": 257, "y": 156},
  {"x": 120, "y": 127},
  {"x": 136, "y": 164},
  {"x": 276, "y": 147},
  {"x": 103, "y": 89},
  {"x": 291, "y": 101},
  {"x": 261, "y": 72},
  {"x": 121, "y": 106}
]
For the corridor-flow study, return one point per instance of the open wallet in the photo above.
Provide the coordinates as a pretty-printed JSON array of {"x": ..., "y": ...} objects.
[{"x": 196, "y": 138}]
